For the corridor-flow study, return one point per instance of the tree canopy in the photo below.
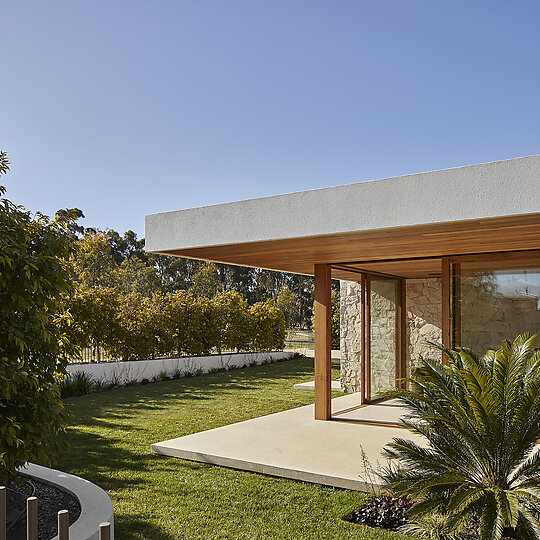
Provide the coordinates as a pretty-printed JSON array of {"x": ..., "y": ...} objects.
[{"x": 34, "y": 274}]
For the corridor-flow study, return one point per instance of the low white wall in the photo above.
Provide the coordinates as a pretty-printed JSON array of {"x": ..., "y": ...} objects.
[
  {"x": 96, "y": 506},
  {"x": 123, "y": 372}
]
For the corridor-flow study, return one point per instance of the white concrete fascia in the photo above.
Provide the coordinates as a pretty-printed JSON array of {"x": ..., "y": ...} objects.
[{"x": 487, "y": 190}]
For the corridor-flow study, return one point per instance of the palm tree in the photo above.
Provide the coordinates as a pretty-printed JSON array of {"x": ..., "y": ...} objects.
[{"x": 481, "y": 419}]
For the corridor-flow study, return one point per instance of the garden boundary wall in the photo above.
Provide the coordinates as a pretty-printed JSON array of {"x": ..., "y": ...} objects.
[{"x": 137, "y": 370}]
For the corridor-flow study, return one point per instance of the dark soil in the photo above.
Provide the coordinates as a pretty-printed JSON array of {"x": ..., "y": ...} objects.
[
  {"x": 50, "y": 501},
  {"x": 384, "y": 512}
]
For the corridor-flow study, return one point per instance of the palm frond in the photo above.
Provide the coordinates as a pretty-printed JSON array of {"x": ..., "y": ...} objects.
[{"x": 481, "y": 420}]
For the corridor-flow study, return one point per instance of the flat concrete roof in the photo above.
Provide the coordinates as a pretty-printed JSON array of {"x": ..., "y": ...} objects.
[
  {"x": 292, "y": 232},
  {"x": 500, "y": 188}
]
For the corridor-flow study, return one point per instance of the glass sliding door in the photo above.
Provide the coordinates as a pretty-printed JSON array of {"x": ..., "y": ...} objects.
[{"x": 383, "y": 308}]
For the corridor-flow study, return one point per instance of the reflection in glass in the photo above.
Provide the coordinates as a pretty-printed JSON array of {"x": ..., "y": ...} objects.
[{"x": 494, "y": 305}]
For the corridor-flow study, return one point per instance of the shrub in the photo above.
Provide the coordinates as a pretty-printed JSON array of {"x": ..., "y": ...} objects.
[
  {"x": 33, "y": 347},
  {"x": 204, "y": 326},
  {"x": 233, "y": 318},
  {"x": 134, "y": 326},
  {"x": 95, "y": 314},
  {"x": 137, "y": 336},
  {"x": 99, "y": 386},
  {"x": 77, "y": 384},
  {"x": 481, "y": 418},
  {"x": 163, "y": 376},
  {"x": 163, "y": 317},
  {"x": 268, "y": 326}
]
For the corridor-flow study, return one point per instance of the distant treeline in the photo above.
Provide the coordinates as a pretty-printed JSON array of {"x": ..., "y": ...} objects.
[{"x": 107, "y": 259}]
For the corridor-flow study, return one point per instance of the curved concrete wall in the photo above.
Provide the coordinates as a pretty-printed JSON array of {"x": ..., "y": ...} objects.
[{"x": 96, "y": 506}]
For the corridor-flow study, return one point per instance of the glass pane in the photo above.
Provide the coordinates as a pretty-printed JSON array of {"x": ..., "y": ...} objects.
[
  {"x": 496, "y": 304},
  {"x": 383, "y": 333}
]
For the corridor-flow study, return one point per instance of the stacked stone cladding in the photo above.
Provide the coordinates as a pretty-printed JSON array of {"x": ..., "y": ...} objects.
[
  {"x": 423, "y": 297},
  {"x": 487, "y": 318}
]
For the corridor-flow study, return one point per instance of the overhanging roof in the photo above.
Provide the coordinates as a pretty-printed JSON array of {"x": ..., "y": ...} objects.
[{"x": 479, "y": 208}]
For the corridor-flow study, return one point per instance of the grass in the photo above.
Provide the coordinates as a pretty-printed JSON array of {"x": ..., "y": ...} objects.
[{"x": 161, "y": 498}]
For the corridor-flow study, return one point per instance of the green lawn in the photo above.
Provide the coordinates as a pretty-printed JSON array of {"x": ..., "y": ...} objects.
[{"x": 161, "y": 498}]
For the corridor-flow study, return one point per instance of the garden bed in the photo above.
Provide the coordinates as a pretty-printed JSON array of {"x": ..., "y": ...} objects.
[
  {"x": 88, "y": 505},
  {"x": 51, "y": 499}
]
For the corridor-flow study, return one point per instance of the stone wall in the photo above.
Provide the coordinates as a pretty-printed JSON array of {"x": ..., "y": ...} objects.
[
  {"x": 489, "y": 317},
  {"x": 383, "y": 336},
  {"x": 424, "y": 316},
  {"x": 423, "y": 324},
  {"x": 350, "y": 314}
]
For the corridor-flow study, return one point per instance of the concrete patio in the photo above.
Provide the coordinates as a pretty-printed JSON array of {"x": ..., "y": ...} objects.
[{"x": 291, "y": 444}]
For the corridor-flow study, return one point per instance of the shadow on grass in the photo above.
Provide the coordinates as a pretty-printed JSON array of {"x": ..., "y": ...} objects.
[
  {"x": 109, "y": 439},
  {"x": 103, "y": 421},
  {"x": 132, "y": 526},
  {"x": 126, "y": 402}
]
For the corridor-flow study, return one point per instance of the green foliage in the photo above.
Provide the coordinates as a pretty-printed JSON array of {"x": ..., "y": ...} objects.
[
  {"x": 77, "y": 384},
  {"x": 268, "y": 326},
  {"x": 126, "y": 246},
  {"x": 133, "y": 326},
  {"x": 94, "y": 264},
  {"x": 334, "y": 315},
  {"x": 69, "y": 216},
  {"x": 33, "y": 346},
  {"x": 95, "y": 314},
  {"x": 4, "y": 168},
  {"x": 137, "y": 337},
  {"x": 481, "y": 418},
  {"x": 287, "y": 301},
  {"x": 335, "y": 328},
  {"x": 235, "y": 323},
  {"x": 135, "y": 276},
  {"x": 205, "y": 282}
]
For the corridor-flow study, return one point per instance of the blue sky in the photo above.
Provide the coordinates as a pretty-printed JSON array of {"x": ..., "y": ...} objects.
[{"x": 124, "y": 108}]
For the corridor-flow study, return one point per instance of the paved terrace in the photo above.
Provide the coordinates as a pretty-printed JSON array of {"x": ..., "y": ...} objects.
[{"x": 291, "y": 444}]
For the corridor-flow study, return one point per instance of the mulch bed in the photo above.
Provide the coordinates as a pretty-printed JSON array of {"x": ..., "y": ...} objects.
[
  {"x": 382, "y": 512},
  {"x": 50, "y": 501}
]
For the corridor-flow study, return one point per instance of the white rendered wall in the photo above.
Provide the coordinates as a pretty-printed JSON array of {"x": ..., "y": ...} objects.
[
  {"x": 123, "y": 372},
  {"x": 487, "y": 190}
]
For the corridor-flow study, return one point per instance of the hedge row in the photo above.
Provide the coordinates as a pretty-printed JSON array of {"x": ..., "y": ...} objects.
[{"x": 132, "y": 326}]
